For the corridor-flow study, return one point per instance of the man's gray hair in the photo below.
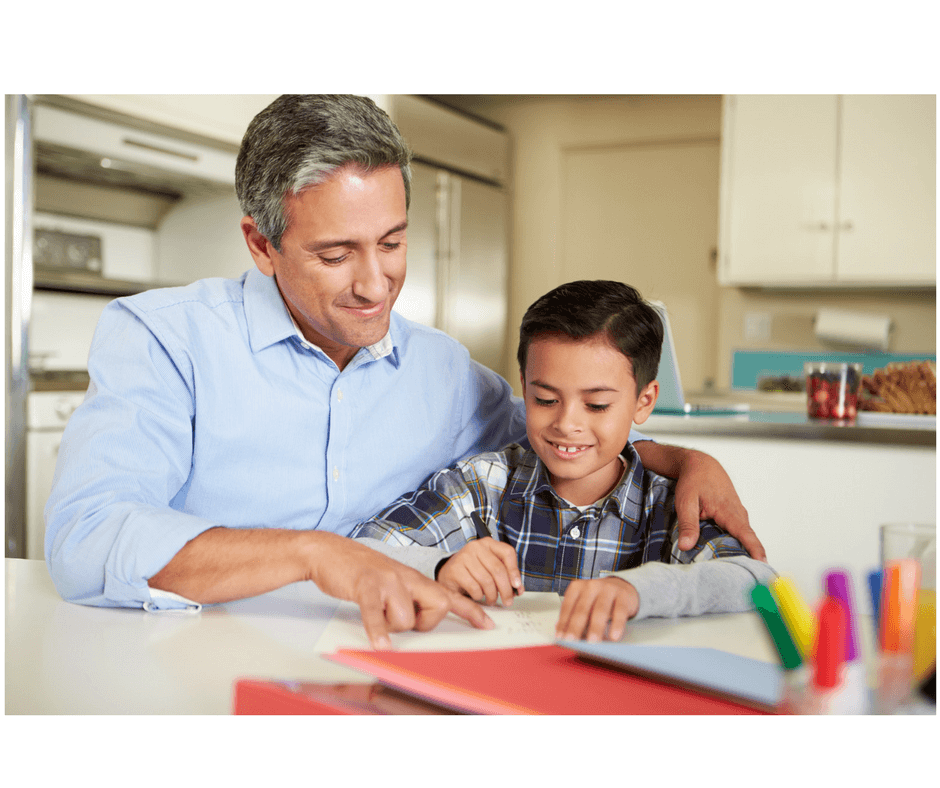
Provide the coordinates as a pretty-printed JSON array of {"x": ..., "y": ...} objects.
[{"x": 298, "y": 141}]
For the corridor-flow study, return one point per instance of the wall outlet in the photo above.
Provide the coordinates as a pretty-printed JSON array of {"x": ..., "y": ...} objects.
[{"x": 757, "y": 326}]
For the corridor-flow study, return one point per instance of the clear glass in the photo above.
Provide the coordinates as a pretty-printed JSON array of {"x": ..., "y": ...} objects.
[
  {"x": 918, "y": 541},
  {"x": 832, "y": 389}
]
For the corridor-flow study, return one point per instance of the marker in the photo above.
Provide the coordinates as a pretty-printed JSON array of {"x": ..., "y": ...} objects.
[
  {"x": 830, "y": 657},
  {"x": 874, "y": 589},
  {"x": 838, "y": 585},
  {"x": 483, "y": 533},
  {"x": 481, "y": 530},
  {"x": 899, "y": 605},
  {"x": 852, "y": 698},
  {"x": 898, "y": 611},
  {"x": 796, "y": 614},
  {"x": 794, "y": 677}
]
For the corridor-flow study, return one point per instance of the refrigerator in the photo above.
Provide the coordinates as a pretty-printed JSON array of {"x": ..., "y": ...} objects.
[{"x": 457, "y": 276}]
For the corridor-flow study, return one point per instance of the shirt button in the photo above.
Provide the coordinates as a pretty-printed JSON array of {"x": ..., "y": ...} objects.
[
  {"x": 335, "y": 474},
  {"x": 575, "y": 532},
  {"x": 339, "y": 395}
]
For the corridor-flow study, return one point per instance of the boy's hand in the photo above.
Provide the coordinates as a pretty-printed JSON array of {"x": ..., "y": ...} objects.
[
  {"x": 483, "y": 569},
  {"x": 589, "y": 605}
]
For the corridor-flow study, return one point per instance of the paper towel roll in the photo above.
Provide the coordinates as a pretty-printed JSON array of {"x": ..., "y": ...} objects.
[{"x": 853, "y": 328}]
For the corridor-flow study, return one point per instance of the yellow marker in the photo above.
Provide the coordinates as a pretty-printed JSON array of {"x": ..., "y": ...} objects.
[
  {"x": 925, "y": 633},
  {"x": 796, "y": 615}
]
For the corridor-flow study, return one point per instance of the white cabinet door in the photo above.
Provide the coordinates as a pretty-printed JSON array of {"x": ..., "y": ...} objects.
[
  {"x": 828, "y": 190},
  {"x": 888, "y": 189},
  {"x": 778, "y": 189}
]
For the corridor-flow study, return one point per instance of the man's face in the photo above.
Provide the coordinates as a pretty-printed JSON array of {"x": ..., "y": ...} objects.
[
  {"x": 342, "y": 259},
  {"x": 580, "y": 403}
]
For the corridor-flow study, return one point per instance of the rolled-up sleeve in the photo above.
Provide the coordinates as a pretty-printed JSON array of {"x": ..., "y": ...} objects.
[{"x": 126, "y": 453}]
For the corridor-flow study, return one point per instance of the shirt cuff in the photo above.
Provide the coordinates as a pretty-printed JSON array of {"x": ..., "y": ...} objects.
[{"x": 167, "y": 602}]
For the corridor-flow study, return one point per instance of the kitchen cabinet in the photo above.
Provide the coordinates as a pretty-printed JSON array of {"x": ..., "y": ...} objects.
[
  {"x": 825, "y": 191},
  {"x": 220, "y": 117}
]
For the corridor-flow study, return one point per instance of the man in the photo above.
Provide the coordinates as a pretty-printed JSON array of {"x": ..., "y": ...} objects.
[{"x": 235, "y": 431}]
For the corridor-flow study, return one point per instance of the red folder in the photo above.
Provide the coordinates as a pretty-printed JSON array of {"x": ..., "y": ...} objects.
[
  {"x": 531, "y": 680},
  {"x": 255, "y": 696}
]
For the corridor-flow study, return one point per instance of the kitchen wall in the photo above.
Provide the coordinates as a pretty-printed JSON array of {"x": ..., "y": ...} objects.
[{"x": 577, "y": 160}]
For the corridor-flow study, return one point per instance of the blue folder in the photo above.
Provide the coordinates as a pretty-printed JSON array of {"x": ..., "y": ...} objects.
[{"x": 717, "y": 672}]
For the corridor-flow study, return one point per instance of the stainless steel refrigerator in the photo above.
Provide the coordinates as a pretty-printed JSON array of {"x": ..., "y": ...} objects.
[{"x": 457, "y": 227}]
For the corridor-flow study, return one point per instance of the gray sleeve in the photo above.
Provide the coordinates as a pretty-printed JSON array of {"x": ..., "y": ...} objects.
[
  {"x": 721, "y": 585},
  {"x": 424, "y": 559}
]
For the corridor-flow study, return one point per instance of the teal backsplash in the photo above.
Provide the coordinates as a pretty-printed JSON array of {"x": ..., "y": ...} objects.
[{"x": 748, "y": 366}]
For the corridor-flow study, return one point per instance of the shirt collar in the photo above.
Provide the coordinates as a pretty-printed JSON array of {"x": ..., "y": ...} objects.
[
  {"x": 270, "y": 321},
  {"x": 380, "y": 349},
  {"x": 265, "y": 312}
]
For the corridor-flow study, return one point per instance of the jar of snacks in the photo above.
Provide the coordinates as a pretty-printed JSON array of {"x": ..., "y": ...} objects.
[{"x": 832, "y": 389}]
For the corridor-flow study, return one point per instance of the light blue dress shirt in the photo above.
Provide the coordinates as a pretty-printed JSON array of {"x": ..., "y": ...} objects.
[{"x": 206, "y": 407}]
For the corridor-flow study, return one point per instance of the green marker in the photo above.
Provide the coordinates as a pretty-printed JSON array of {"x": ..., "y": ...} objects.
[
  {"x": 764, "y": 602},
  {"x": 795, "y": 697}
]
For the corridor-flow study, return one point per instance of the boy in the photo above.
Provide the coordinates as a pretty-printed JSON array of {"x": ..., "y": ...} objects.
[{"x": 571, "y": 514}]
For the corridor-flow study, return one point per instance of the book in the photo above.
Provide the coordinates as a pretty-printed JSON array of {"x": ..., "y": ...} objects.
[{"x": 549, "y": 679}]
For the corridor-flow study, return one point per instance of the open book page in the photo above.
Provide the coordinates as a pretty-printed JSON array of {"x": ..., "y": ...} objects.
[{"x": 529, "y": 622}]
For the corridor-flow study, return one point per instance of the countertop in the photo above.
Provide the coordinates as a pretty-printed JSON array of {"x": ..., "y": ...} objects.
[
  {"x": 783, "y": 416},
  {"x": 895, "y": 429}
]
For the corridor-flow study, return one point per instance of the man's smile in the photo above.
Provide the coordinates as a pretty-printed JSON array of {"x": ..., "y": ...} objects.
[{"x": 366, "y": 311}]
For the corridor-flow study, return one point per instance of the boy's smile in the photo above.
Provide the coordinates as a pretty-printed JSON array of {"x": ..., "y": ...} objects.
[{"x": 581, "y": 402}]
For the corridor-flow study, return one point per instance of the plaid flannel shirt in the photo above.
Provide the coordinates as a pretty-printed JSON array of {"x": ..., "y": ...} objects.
[{"x": 507, "y": 495}]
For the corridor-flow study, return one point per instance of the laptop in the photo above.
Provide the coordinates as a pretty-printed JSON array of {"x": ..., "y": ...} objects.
[{"x": 671, "y": 400}]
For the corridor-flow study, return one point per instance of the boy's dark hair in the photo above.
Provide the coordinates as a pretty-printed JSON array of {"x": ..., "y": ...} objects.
[{"x": 589, "y": 308}]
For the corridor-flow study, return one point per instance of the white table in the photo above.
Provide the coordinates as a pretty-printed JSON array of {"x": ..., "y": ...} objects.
[{"x": 63, "y": 658}]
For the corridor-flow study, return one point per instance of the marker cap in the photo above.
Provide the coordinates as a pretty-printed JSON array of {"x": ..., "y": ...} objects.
[
  {"x": 838, "y": 585},
  {"x": 796, "y": 614},
  {"x": 830, "y": 644},
  {"x": 874, "y": 589}
]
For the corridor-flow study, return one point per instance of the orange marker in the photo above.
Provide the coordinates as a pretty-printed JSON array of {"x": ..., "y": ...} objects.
[
  {"x": 898, "y": 613},
  {"x": 899, "y": 605}
]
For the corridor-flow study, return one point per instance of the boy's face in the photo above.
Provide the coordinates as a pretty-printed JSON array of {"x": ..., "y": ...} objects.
[{"x": 581, "y": 401}]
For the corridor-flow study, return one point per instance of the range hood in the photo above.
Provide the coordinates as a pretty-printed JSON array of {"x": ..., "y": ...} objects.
[
  {"x": 103, "y": 175},
  {"x": 141, "y": 156}
]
